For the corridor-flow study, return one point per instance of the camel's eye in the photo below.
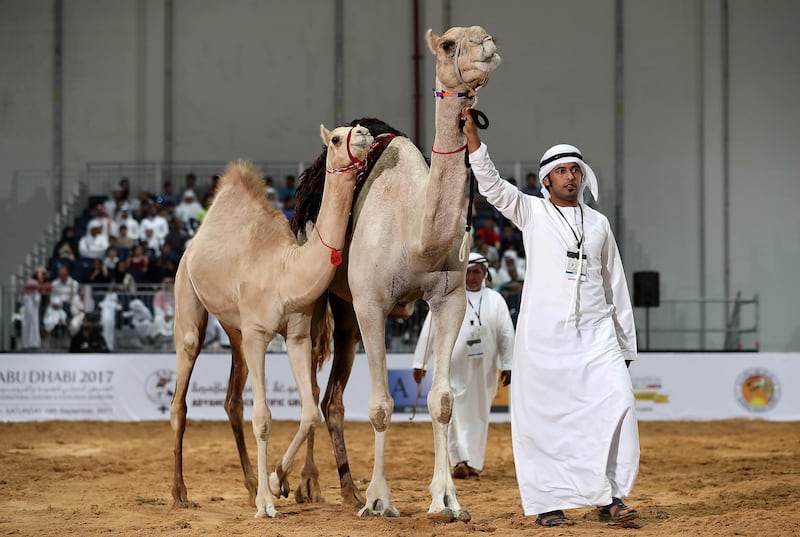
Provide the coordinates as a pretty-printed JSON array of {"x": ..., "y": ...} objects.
[
  {"x": 335, "y": 140},
  {"x": 447, "y": 46}
]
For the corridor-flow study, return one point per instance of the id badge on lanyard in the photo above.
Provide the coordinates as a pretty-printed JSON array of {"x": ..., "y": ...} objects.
[
  {"x": 475, "y": 342},
  {"x": 572, "y": 266}
]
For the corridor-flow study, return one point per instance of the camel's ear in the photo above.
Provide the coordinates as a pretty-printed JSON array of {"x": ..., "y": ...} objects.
[
  {"x": 433, "y": 40},
  {"x": 325, "y": 134}
]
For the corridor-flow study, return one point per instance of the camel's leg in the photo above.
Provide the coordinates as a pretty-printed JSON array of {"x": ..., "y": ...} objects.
[
  {"x": 447, "y": 313},
  {"x": 298, "y": 344},
  {"x": 345, "y": 339},
  {"x": 235, "y": 409},
  {"x": 254, "y": 344},
  {"x": 190, "y": 327},
  {"x": 372, "y": 320},
  {"x": 308, "y": 490}
]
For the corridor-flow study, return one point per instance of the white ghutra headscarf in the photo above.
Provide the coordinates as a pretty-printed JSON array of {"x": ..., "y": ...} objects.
[{"x": 559, "y": 154}]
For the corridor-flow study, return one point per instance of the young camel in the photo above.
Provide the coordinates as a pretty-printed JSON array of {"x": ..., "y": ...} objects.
[{"x": 246, "y": 267}]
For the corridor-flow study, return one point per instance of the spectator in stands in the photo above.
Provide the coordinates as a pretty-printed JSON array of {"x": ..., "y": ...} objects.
[
  {"x": 107, "y": 224},
  {"x": 532, "y": 186},
  {"x": 488, "y": 233},
  {"x": 99, "y": 274},
  {"x": 287, "y": 207},
  {"x": 143, "y": 198},
  {"x": 64, "y": 288},
  {"x": 121, "y": 280},
  {"x": 126, "y": 219},
  {"x": 141, "y": 319},
  {"x": 138, "y": 263},
  {"x": 94, "y": 244},
  {"x": 190, "y": 183},
  {"x": 155, "y": 221},
  {"x": 111, "y": 259},
  {"x": 114, "y": 204},
  {"x": 168, "y": 195},
  {"x": 164, "y": 310},
  {"x": 272, "y": 197},
  {"x": 67, "y": 245},
  {"x": 510, "y": 263},
  {"x": 204, "y": 211},
  {"x": 42, "y": 278},
  {"x": 177, "y": 236},
  {"x": 211, "y": 191},
  {"x": 124, "y": 240},
  {"x": 482, "y": 210},
  {"x": 55, "y": 319},
  {"x": 88, "y": 339},
  {"x": 188, "y": 209},
  {"x": 109, "y": 307},
  {"x": 82, "y": 303},
  {"x": 288, "y": 189},
  {"x": 31, "y": 300},
  {"x": 513, "y": 286},
  {"x": 489, "y": 252},
  {"x": 151, "y": 240},
  {"x": 163, "y": 265},
  {"x": 511, "y": 239}
]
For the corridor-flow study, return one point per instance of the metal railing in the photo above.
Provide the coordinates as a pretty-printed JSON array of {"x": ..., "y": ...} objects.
[{"x": 730, "y": 332}]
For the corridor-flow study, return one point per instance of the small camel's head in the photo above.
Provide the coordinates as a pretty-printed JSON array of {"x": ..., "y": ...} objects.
[
  {"x": 347, "y": 146},
  {"x": 464, "y": 57}
]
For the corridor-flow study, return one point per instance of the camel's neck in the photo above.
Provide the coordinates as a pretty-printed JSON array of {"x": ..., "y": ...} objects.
[
  {"x": 312, "y": 261},
  {"x": 445, "y": 188}
]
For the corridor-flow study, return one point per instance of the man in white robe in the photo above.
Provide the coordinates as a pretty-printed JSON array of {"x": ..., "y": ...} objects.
[
  {"x": 573, "y": 420},
  {"x": 484, "y": 346}
]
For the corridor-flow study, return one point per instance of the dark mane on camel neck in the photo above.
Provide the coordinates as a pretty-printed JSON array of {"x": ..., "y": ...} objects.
[{"x": 308, "y": 196}]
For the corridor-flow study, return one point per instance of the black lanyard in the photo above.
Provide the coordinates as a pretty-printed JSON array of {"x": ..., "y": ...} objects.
[
  {"x": 478, "y": 311},
  {"x": 579, "y": 241}
]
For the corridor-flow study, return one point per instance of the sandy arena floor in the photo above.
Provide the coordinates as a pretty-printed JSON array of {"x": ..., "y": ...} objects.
[{"x": 89, "y": 478}]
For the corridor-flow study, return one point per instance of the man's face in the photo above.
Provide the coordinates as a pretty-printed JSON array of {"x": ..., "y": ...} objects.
[
  {"x": 565, "y": 182},
  {"x": 475, "y": 277}
]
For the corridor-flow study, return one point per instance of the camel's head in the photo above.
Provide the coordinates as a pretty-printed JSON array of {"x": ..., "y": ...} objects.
[
  {"x": 464, "y": 57},
  {"x": 347, "y": 147}
]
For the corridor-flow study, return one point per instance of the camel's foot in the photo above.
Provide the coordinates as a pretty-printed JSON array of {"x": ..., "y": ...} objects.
[
  {"x": 308, "y": 491},
  {"x": 268, "y": 511},
  {"x": 252, "y": 490},
  {"x": 352, "y": 497},
  {"x": 181, "y": 499},
  {"x": 378, "y": 508},
  {"x": 278, "y": 486},
  {"x": 183, "y": 503},
  {"x": 448, "y": 515}
]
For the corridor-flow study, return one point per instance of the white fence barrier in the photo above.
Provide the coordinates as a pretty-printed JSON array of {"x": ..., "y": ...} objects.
[{"x": 119, "y": 387}]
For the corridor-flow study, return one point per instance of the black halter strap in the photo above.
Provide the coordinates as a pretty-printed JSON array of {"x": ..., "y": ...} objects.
[{"x": 482, "y": 122}]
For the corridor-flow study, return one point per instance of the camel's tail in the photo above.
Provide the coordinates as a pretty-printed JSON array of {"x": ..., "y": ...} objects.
[{"x": 321, "y": 332}]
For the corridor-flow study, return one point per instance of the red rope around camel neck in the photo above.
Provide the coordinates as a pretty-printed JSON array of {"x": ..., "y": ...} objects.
[
  {"x": 460, "y": 149},
  {"x": 336, "y": 256}
]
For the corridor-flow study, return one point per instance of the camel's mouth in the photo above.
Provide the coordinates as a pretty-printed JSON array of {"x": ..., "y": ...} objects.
[{"x": 490, "y": 64}]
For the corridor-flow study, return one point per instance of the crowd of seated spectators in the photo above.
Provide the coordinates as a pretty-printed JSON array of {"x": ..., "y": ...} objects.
[{"x": 115, "y": 266}]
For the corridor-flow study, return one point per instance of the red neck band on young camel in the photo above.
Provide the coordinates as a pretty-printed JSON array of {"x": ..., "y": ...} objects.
[{"x": 336, "y": 253}]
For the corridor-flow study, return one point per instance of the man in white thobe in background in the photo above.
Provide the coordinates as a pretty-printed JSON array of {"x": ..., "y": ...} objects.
[
  {"x": 573, "y": 417},
  {"x": 484, "y": 346}
]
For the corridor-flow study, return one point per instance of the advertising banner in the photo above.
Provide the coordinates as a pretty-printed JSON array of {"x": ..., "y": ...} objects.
[{"x": 134, "y": 387}]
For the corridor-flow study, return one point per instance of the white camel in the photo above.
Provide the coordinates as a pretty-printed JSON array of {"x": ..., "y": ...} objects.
[
  {"x": 245, "y": 267},
  {"x": 408, "y": 242}
]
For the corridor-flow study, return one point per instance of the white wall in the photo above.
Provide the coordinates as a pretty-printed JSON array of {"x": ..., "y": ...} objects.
[{"x": 254, "y": 79}]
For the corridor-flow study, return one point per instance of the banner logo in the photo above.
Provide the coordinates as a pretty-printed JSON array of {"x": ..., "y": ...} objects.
[
  {"x": 159, "y": 387},
  {"x": 757, "y": 390}
]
